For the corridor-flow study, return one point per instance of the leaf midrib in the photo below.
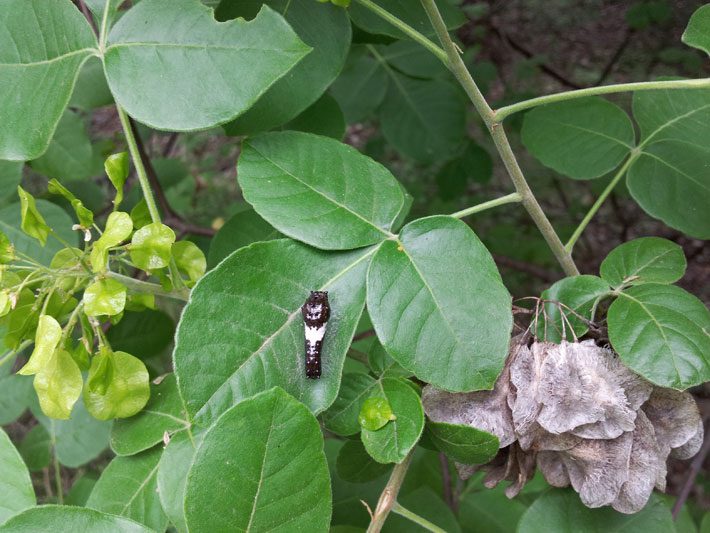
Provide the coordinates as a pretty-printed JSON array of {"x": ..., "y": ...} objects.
[{"x": 57, "y": 59}]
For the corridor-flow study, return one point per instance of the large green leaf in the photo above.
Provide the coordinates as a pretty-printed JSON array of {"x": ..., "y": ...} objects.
[
  {"x": 361, "y": 86},
  {"x": 341, "y": 417},
  {"x": 561, "y": 511},
  {"x": 70, "y": 155},
  {"x": 423, "y": 119},
  {"x": 143, "y": 334},
  {"x": 15, "y": 484},
  {"x": 91, "y": 89},
  {"x": 17, "y": 393},
  {"x": 428, "y": 505},
  {"x": 244, "y": 475},
  {"x": 242, "y": 330},
  {"x": 356, "y": 465},
  {"x": 410, "y": 12},
  {"x": 490, "y": 511},
  {"x": 42, "y": 47},
  {"x": 567, "y": 308},
  {"x": 644, "y": 260},
  {"x": 172, "y": 66},
  {"x": 173, "y": 468},
  {"x": 325, "y": 29},
  {"x": 128, "y": 487},
  {"x": 10, "y": 177},
  {"x": 463, "y": 443},
  {"x": 70, "y": 519},
  {"x": 661, "y": 332},
  {"x": 318, "y": 190},
  {"x": 392, "y": 442},
  {"x": 324, "y": 117},
  {"x": 36, "y": 448},
  {"x": 697, "y": 34},
  {"x": 164, "y": 412},
  {"x": 412, "y": 59},
  {"x": 669, "y": 179},
  {"x": 439, "y": 306},
  {"x": 582, "y": 138},
  {"x": 55, "y": 217},
  {"x": 241, "y": 230}
]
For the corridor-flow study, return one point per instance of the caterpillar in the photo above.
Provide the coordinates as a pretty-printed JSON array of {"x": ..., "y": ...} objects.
[{"x": 316, "y": 312}]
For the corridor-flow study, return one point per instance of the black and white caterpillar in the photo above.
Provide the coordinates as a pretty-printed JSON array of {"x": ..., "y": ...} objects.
[{"x": 316, "y": 312}]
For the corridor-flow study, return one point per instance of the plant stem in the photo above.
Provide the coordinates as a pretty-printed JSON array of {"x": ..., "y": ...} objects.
[
  {"x": 146, "y": 287},
  {"x": 57, "y": 468},
  {"x": 404, "y": 28},
  {"x": 503, "y": 112},
  {"x": 507, "y": 199},
  {"x": 602, "y": 197},
  {"x": 388, "y": 498},
  {"x": 138, "y": 163},
  {"x": 423, "y": 522},
  {"x": 458, "y": 68}
]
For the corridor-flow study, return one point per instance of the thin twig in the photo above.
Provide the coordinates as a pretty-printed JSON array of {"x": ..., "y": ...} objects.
[
  {"x": 446, "y": 482},
  {"x": 87, "y": 14},
  {"x": 388, "y": 497},
  {"x": 364, "y": 335}
]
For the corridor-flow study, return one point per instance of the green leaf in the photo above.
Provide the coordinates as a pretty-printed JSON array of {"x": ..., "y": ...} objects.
[
  {"x": 43, "y": 44},
  {"x": 342, "y": 417},
  {"x": 669, "y": 178},
  {"x": 81, "y": 490},
  {"x": 58, "y": 385},
  {"x": 241, "y": 230},
  {"x": 305, "y": 186},
  {"x": 128, "y": 487},
  {"x": 36, "y": 448},
  {"x": 151, "y": 245},
  {"x": 16, "y": 396},
  {"x": 411, "y": 13},
  {"x": 10, "y": 178},
  {"x": 117, "y": 167},
  {"x": 78, "y": 440},
  {"x": 375, "y": 413},
  {"x": 91, "y": 90},
  {"x": 567, "y": 304},
  {"x": 274, "y": 438},
  {"x": 33, "y": 223},
  {"x": 48, "y": 335},
  {"x": 463, "y": 444},
  {"x": 355, "y": 464},
  {"x": 582, "y": 138},
  {"x": 55, "y": 216},
  {"x": 644, "y": 260},
  {"x": 474, "y": 164},
  {"x": 242, "y": 331},
  {"x": 104, "y": 297},
  {"x": 7, "y": 250},
  {"x": 173, "y": 468},
  {"x": 393, "y": 441},
  {"x": 83, "y": 215},
  {"x": 561, "y": 511},
  {"x": 118, "y": 228},
  {"x": 70, "y": 519},
  {"x": 361, "y": 86},
  {"x": 662, "y": 333},
  {"x": 144, "y": 334},
  {"x": 490, "y": 511},
  {"x": 189, "y": 259},
  {"x": 117, "y": 385},
  {"x": 164, "y": 412},
  {"x": 70, "y": 155},
  {"x": 427, "y": 503},
  {"x": 159, "y": 77},
  {"x": 325, "y": 29},
  {"x": 382, "y": 364},
  {"x": 324, "y": 117},
  {"x": 415, "y": 297},
  {"x": 697, "y": 33},
  {"x": 423, "y": 119},
  {"x": 15, "y": 484},
  {"x": 412, "y": 59}
]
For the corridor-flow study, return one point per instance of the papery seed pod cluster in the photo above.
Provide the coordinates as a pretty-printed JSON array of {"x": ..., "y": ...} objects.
[{"x": 574, "y": 411}]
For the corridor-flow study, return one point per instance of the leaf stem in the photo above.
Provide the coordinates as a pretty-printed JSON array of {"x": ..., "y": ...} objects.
[
  {"x": 503, "y": 112},
  {"x": 138, "y": 163},
  {"x": 458, "y": 68},
  {"x": 146, "y": 287},
  {"x": 423, "y": 522},
  {"x": 602, "y": 197},
  {"x": 57, "y": 468},
  {"x": 507, "y": 199},
  {"x": 405, "y": 28},
  {"x": 388, "y": 497}
]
